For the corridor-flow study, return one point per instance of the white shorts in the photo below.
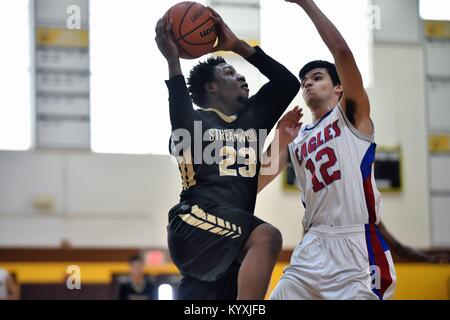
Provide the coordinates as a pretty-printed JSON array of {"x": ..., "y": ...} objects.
[{"x": 339, "y": 263}]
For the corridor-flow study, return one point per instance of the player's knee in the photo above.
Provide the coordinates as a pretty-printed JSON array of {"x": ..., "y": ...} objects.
[
  {"x": 277, "y": 240},
  {"x": 275, "y": 246},
  {"x": 270, "y": 237}
]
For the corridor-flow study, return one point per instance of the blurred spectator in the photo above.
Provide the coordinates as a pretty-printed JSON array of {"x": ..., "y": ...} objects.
[
  {"x": 139, "y": 286},
  {"x": 9, "y": 287}
]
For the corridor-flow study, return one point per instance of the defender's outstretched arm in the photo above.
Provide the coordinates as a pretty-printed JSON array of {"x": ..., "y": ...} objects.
[{"x": 354, "y": 99}]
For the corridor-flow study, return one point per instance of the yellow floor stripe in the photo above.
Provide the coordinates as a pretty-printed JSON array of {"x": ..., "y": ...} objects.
[
  {"x": 55, "y": 272},
  {"x": 414, "y": 280}
]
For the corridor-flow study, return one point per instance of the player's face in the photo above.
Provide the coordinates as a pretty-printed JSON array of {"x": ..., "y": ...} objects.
[
  {"x": 231, "y": 86},
  {"x": 137, "y": 268},
  {"x": 317, "y": 87}
]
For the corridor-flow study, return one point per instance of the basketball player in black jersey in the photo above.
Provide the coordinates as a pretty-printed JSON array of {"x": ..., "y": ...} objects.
[{"x": 222, "y": 250}]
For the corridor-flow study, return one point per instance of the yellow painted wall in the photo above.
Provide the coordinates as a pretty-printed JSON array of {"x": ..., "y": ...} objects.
[{"x": 415, "y": 281}]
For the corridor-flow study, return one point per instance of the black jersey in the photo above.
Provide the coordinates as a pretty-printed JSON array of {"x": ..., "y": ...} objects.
[{"x": 221, "y": 165}]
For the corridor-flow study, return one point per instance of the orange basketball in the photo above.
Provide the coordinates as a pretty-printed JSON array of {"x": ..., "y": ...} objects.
[{"x": 193, "y": 29}]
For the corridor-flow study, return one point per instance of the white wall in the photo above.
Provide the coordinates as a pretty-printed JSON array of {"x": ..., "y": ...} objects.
[
  {"x": 92, "y": 199},
  {"x": 118, "y": 200},
  {"x": 398, "y": 111}
]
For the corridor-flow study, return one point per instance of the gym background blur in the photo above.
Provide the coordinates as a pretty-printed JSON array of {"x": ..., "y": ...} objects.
[{"x": 85, "y": 177}]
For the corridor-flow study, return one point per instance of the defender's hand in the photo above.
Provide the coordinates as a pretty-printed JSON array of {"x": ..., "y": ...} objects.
[
  {"x": 289, "y": 125},
  {"x": 164, "y": 39}
]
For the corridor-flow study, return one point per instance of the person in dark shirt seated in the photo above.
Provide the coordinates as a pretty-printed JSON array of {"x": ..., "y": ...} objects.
[{"x": 139, "y": 286}]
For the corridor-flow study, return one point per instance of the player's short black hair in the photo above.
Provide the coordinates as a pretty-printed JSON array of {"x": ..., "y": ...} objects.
[
  {"x": 201, "y": 74},
  {"x": 331, "y": 68},
  {"x": 135, "y": 258}
]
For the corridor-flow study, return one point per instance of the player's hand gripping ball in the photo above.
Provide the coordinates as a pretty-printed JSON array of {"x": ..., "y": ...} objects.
[{"x": 194, "y": 29}]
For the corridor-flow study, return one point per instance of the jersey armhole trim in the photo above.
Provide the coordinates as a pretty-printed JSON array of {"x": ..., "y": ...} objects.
[
  {"x": 291, "y": 147},
  {"x": 356, "y": 132}
]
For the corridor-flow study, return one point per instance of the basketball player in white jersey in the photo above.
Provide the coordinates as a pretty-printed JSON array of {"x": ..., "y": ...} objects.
[{"x": 342, "y": 255}]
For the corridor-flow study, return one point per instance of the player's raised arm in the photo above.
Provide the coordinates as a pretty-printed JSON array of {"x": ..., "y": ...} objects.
[
  {"x": 167, "y": 46},
  {"x": 354, "y": 100},
  {"x": 275, "y": 159},
  {"x": 275, "y": 96},
  {"x": 180, "y": 104}
]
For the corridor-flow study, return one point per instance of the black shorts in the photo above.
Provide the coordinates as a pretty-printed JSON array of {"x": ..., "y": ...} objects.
[
  {"x": 225, "y": 288},
  {"x": 205, "y": 240}
]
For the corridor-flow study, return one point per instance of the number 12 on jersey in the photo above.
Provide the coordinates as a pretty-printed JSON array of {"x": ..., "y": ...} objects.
[{"x": 327, "y": 178}]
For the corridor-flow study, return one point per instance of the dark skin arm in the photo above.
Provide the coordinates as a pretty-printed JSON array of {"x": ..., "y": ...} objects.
[
  {"x": 167, "y": 46},
  {"x": 354, "y": 99},
  {"x": 409, "y": 253},
  {"x": 275, "y": 96},
  {"x": 228, "y": 41},
  {"x": 180, "y": 104}
]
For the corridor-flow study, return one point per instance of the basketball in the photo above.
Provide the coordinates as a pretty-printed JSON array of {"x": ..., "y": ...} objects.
[{"x": 194, "y": 29}]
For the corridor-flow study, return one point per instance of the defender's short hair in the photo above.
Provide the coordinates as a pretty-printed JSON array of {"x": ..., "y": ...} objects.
[
  {"x": 330, "y": 67},
  {"x": 201, "y": 74}
]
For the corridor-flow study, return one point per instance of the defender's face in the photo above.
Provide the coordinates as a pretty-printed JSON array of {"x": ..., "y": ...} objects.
[
  {"x": 317, "y": 86},
  {"x": 231, "y": 85}
]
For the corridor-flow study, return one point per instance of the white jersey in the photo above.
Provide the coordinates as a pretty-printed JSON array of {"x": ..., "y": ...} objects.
[
  {"x": 333, "y": 164},
  {"x": 342, "y": 255}
]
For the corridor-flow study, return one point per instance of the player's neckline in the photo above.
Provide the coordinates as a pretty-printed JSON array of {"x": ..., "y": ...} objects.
[
  {"x": 222, "y": 115},
  {"x": 319, "y": 121}
]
